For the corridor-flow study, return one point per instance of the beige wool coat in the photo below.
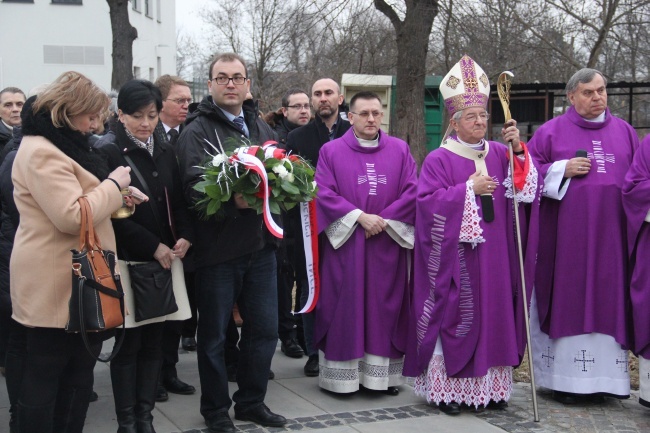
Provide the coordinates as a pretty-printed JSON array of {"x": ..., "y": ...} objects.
[{"x": 47, "y": 184}]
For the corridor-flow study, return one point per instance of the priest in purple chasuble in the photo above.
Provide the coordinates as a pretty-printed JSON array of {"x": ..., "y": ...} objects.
[
  {"x": 636, "y": 202},
  {"x": 366, "y": 208},
  {"x": 580, "y": 315},
  {"x": 468, "y": 329}
]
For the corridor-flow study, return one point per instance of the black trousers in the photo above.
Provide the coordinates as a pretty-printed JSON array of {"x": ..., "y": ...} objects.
[
  {"x": 57, "y": 381},
  {"x": 171, "y": 337},
  {"x": 189, "y": 325}
]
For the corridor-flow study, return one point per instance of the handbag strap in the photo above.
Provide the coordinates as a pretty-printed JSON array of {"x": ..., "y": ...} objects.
[
  {"x": 145, "y": 186},
  {"x": 89, "y": 240},
  {"x": 82, "y": 321},
  {"x": 87, "y": 236}
]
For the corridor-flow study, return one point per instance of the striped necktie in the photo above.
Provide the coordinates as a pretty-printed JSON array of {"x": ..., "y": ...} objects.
[{"x": 239, "y": 122}]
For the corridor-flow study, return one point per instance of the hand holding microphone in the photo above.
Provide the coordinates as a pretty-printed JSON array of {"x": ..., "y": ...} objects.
[
  {"x": 484, "y": 187},
  {"x": 578, "y": 166}
]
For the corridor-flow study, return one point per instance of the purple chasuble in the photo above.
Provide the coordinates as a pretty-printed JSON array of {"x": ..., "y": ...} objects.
[
  {"x": 469, "y": 297},
  {"x": 364, "y": 297},
  {"x": 636, "y": 201},
  {"x": 581, "y": 281}
]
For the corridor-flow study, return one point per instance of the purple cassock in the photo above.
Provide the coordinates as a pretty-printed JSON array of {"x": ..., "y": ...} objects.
[
  {"x": 364, "y": 297},
  {"x": 468, "y": 297},
  {"x": 581, "y": 281},
  {"x": 636, "y": 201}
]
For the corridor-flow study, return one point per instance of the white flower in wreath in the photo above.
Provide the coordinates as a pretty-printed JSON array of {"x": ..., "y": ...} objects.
[
  {"x": 281, "y": 171},
  {"x": 219, "y": 159},
  {"x": 314, "y": 185},
  {"x": 289, "y": 177}
]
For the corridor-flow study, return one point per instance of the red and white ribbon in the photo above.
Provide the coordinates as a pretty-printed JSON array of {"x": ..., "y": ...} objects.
[
  {"x": 246, "y": 156},
  {"x": 310, "y": 240}
]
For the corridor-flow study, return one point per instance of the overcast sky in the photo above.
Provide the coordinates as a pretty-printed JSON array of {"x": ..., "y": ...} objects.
[{"x": 187, "y": 18}]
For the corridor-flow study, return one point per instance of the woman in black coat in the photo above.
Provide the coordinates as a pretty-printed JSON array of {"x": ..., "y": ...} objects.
[{"x": 159, "y": 231}]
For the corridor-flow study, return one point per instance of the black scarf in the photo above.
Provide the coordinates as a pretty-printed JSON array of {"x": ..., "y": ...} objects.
[{"x": 73, "y": 144}]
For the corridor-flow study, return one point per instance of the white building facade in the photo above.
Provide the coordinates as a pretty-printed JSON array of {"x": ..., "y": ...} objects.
[{"x": 43, "y": 38}]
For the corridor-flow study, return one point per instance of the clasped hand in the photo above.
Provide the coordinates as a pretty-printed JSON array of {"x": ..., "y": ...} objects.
[{"x": 372, "y": 224}]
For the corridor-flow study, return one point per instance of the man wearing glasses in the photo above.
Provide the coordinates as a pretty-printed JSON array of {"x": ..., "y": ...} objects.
[
  {"x": 294, "y": 113},
  {"x": 366, "y": 210},
  {"x": 328, "y": 124},
  {"x": 467, "y": 328},
  {"x": 234, "y": 257},
  {"x": 176, "y": 97}
]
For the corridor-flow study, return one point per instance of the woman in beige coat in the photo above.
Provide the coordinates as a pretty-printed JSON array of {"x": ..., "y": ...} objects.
[{"x": 53, "y": 168}]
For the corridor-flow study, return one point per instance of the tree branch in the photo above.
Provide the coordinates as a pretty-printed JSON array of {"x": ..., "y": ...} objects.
[{"x": 390, "y": 13}]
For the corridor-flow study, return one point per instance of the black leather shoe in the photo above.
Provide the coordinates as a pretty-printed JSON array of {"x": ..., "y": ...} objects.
[
  {"x": 291, "y": 348},
  {"x": 93, "y": 397},
  {"x": 597, "y": 398},
  {"x": 311, "y": 368},
  {"x": 271, "y": 375},
  {"x": 161, "y": 393},
  {"x": 188, "y": 343},
  {"x": 497, "y": 405},
  {"x": 452, "y": 408},
  {"x": 220, "y": 424},
  {"x": 392, "y": 391},
  {"x": 261, "y": 415},
  {"x": 177, "y": 386},
  {"x": 565, "y": 397}
]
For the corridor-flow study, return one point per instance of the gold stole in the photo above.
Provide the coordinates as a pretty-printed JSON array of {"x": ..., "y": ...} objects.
[{"x": 478, "y": 156}]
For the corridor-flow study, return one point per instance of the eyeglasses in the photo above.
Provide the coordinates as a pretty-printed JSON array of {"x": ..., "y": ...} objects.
[
  {"x": 222, "y": 80},
  {"x": 366, "y": 114},
  {"x": 475, "y": 117},
  {"x": 299, "y": 106},
  {"x": 180, "y": 101}
]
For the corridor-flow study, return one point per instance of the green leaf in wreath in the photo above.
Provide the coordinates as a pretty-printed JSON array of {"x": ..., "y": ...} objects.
[
  {"x": 213, "y": 207},
  {"x": 213, "y": 191},
  {"x": 274, "y": 207},
  {"x": 290, "y": 188}
]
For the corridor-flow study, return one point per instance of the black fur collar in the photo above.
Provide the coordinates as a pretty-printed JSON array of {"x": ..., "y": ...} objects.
[{"x": 73, "y": 143}]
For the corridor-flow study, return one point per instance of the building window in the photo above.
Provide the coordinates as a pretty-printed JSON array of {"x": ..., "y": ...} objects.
[
  {"x": 136, "y": 72},
  {"x": 158, "y": 12},
  {"x": 136, "y": 5},
  {"x": 147, "y": 9},
  {"x": 67, "y": 2},
  {"x": 18, "y": 1}
]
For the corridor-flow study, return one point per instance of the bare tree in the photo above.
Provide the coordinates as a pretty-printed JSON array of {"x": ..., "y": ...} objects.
[
  {"x": 412, "y": 38},
  {"x": 257, "y": 30},
  {"x": 188, "y": 51},
  {"x": 123, "y": 36}
]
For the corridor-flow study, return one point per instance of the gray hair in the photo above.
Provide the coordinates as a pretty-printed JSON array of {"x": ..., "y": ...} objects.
[
  {"x": 584, "y": 75},
  {"x": 457, "y": 115}
]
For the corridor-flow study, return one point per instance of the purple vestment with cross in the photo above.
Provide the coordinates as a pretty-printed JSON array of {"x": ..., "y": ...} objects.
[
  {"x": 468, "y": 297},
  {"x": 364, "y": 297},
  {"x": 582, "y": 275}
]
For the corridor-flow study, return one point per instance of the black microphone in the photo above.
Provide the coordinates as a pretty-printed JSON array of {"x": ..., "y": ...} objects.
[
  {"x": 487, "y": 206},
  {"x": 580, "y": 153}
]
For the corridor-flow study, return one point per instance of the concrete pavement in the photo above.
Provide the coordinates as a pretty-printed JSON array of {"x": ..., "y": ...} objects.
[{"x": 308, "y": 408}]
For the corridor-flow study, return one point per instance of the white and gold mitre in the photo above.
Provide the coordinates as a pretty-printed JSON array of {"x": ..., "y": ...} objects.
[{"x": 466, "y": 85}]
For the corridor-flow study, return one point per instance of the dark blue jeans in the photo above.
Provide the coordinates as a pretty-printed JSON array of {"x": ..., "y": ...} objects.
[{"x": 249, "y": 280}]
